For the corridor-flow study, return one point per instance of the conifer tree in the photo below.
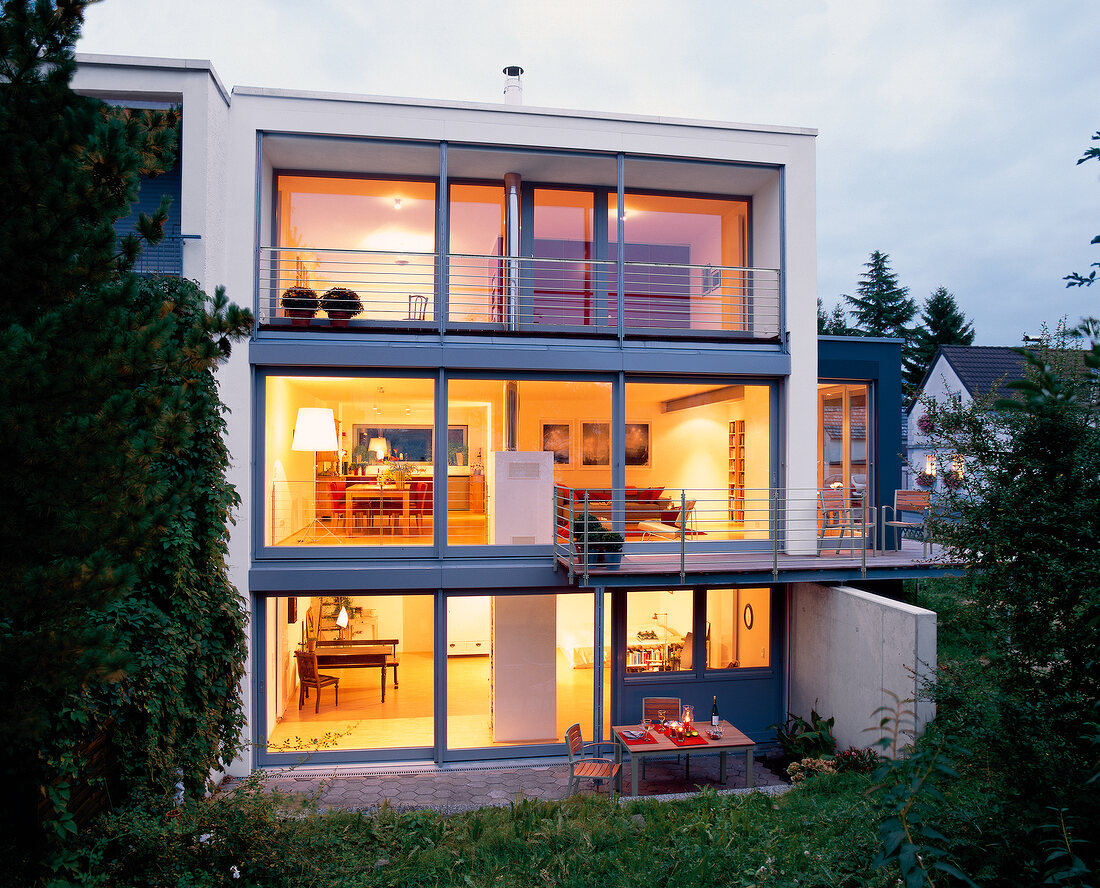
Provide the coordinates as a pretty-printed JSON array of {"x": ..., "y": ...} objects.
[
  {"x": 116, "y": 616},
  {"x": 834, "y": 323},
  {"x": 881, "y": 307},
  {"x": 941, "y": 323}
]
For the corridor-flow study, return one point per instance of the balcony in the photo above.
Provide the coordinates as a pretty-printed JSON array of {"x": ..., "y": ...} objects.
[
  {"x": 773, "y": 534},
  {"x": 483, "y": 293}
]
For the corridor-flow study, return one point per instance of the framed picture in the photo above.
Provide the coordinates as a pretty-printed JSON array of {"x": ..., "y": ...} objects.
[
  {"x": 557, "y": 438},
  {"x": 595, "y": 443},
  {"x": 636, "y": 438},
  {"x": 712, "y": 279}
]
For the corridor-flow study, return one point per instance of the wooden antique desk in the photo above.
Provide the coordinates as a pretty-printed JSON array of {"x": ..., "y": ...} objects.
[
  {"x": 732, "y": 739},
  {"x": 378, "y": 653}
]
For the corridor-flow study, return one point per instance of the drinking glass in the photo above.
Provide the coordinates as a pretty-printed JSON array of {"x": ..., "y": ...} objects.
[{"x": 646, "y": 722}]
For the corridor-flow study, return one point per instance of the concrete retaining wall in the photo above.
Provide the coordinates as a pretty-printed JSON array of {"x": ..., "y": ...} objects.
[{"x": 847, "y": 648}]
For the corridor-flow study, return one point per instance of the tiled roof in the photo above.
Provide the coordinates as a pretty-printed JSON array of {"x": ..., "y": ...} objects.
[{"x": 981, "y": 367}]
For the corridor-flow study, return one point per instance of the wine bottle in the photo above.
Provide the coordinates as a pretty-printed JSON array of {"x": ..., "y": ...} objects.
[{"x": 714, "y": 713}]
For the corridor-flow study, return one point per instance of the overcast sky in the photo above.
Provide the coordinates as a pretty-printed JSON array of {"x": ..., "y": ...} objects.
[{"x": 949, "y": 130}]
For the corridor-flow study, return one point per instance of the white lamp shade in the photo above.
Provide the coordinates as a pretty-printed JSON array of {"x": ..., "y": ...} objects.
[
  {"x": 342, "y": 618},
  {"x": 315, "y": 429},
  {"x": 380, "y": 446}
]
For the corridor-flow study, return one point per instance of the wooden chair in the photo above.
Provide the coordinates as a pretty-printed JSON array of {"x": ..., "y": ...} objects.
[
  {"x": 911, "y": 501},
  {"x": 584, "y": 765},
  {"x": 837, "y": 511},
  {"x": 331, "y": 504},
  {"x": 420, "y": 502},
  {"x": 418, "y": 307},
  {"x": 309, "y": 677},
  {"x": 670, "y": 706}
]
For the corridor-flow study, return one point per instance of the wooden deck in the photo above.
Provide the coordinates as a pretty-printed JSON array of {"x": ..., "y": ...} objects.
[{"x": 908, "y": 562}]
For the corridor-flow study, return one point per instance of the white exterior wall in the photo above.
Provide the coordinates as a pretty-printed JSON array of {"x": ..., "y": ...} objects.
[
  {"x": 848, "y": 648},
  {"x": 942, "y": 383},
  {"x": 223, "y": 175}
]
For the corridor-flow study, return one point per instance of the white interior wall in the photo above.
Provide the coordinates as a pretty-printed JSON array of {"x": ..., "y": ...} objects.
[{"x": 848, "y": 648}]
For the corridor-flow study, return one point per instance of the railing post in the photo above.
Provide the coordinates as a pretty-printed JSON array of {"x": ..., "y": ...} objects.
[
  {"x": 863, "y": 548},
  {"x": 585, "y": 550},
  {"x": 570, "y": 541},
  {"x": 683, "y": 534},
  {"x": 773, "y": 508}
]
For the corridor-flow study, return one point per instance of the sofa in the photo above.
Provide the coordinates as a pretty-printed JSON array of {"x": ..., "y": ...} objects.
[{"x": 639, "y": 504}]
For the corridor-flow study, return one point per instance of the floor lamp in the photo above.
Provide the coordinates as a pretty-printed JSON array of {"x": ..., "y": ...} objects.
[{"x": 315, "y": 430}]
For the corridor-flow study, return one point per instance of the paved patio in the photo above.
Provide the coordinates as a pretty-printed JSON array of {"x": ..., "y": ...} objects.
[{"x": 453, "y": 789}]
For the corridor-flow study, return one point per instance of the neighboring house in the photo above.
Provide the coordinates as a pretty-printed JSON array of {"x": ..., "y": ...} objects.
[
  {"x": 968, "y": 371},
  {"x": 554, "y": 311}
]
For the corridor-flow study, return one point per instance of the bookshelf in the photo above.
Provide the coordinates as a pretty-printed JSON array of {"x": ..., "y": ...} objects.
[{"x": 737, "y": 471}]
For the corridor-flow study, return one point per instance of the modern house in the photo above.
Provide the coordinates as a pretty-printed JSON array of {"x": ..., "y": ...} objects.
[
  {"x": 963, "y": 371},
  {"x": 561, "y": 326}
]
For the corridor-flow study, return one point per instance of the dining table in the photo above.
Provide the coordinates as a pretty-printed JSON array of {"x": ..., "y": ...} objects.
[
  {"x": 374, "y": 491},
  {"x": 640, "y": 744}
]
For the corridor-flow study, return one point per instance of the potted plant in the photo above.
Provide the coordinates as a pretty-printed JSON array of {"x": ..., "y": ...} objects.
[
  {"x": 926, "y": 480},
  {"x": 300, "y": 304},
  {"x": 456, "y": 454},
  {"x": 340, "y": 304},
  {"x": 592, "y": 531},
  {"x": 610, "y": 544},
  {"x": 397, "y": 472}
]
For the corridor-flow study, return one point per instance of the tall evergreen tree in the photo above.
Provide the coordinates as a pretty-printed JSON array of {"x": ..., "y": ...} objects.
[
  {"x": 835, "y": 323},
  {"x": 115, "y": 609},
  {"x": 881, "y": 307},
  {"x": 941, "y": 323}
]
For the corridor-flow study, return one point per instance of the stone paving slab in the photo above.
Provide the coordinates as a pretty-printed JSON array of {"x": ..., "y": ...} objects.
[{"x": 452, "y": 789}]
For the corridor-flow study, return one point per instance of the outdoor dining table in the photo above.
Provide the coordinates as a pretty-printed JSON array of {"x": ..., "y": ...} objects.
[{"x": 660, "y": 744}]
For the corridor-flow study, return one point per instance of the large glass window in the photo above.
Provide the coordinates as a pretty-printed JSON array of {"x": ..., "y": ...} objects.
[
  {"x": 843, "y": 451},
  {"x": 375, "y": 237},
  {"x": 738, "y": 628},
  {"x": 343, "y": 632},
  {"x": 563, "y": 273},
  {"x": 477, "y": 242},
  {"x": 349, "y": 461},
  {"x": 520, "y": 668},
  {"x": 524, "y": 438},
  {"x": 684, "y": 261},
  {"x": 698, "y": 458},
  {"x": 659, "y": 636}
]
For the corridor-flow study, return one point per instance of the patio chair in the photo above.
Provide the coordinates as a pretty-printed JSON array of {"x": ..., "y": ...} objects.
[
  {"x": 418, "y": 307},
  {"x": 837, "y": 511},
  {"x": 584, "y": 765},
  {"x": 909, "y": 501},
  {"x": 309, "y": 677}
]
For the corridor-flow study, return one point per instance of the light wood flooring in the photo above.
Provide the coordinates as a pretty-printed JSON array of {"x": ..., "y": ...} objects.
[{"x": 406, "y": 719}]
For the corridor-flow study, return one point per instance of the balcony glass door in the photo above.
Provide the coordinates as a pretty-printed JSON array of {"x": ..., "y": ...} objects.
[{"x": 843, "y": 445}]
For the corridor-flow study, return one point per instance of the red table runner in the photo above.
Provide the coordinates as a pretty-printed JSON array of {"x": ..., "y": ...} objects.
[
  {"x": 629, "y": 741},
  {"x": 689, "y": 741}
]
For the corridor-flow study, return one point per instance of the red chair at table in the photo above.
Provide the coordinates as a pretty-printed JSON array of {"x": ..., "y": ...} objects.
[
  {"x": 391, "y": 506},
  {"x": 420, "y": 502},
  {"x": 331, "y": 503}
]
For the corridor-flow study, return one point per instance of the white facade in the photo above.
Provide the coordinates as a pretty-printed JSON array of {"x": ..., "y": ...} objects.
[{"x": 233, "y": 146}]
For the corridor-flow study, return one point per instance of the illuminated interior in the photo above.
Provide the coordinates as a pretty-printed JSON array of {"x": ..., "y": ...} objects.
[
  {"x": 520, "y": 670},
  {"x": 708, "y": 456},
  {"x": 843, "y": 451}
]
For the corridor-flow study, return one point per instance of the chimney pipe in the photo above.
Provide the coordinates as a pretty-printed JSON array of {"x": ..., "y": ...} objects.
[{"x": 513, "y": 86}]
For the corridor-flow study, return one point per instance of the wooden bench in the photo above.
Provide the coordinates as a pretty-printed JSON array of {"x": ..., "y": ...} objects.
[{"x": 361, "y": 653}]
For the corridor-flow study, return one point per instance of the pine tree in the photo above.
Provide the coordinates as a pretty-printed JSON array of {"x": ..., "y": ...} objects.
[
  {"x": 881, "y": 307},
  {"x": 113, "y": 527},
  {"x": 835, "y": 323},
  {"x": 942, "y": 323}
]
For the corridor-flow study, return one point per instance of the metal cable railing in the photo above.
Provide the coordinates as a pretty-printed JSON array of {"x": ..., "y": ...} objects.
[
  {"x": 517, "y": 294},
  {"x": 681, "y": 530}
]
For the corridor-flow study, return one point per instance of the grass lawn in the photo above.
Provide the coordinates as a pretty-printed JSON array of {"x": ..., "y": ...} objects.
[{"x": 823, "y": 832}]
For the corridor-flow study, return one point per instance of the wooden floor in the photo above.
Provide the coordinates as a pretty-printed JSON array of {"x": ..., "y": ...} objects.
[{"x": 362, "y": 721}]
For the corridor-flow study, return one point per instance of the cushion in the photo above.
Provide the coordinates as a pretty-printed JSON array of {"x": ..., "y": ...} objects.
[{"x": 650, "y": 495}]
